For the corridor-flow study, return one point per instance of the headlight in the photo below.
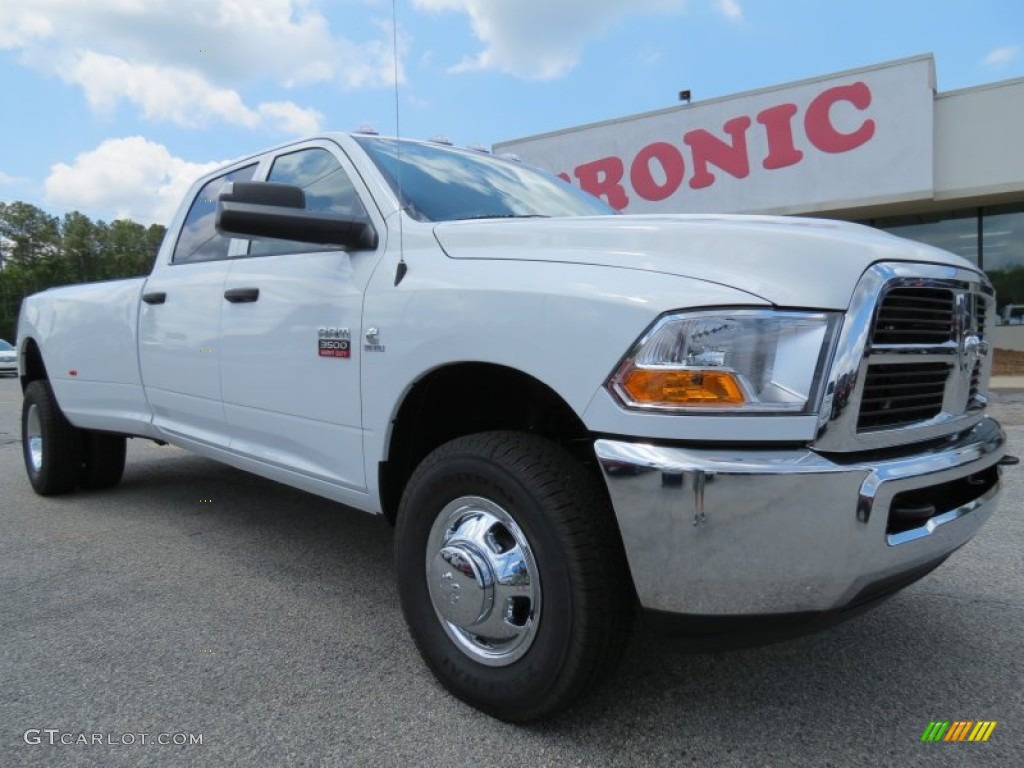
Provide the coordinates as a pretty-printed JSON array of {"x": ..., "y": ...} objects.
[{"x": 754, "y": 361}]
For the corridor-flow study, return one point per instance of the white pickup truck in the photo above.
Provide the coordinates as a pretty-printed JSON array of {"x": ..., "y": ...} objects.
[{"x": 566, "y": 413}]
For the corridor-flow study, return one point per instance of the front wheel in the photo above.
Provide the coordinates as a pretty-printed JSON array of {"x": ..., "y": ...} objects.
[{"x": 511, "y": 574}]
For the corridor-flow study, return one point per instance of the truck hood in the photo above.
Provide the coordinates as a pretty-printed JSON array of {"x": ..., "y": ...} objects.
[{"x": 788, "y": 261}]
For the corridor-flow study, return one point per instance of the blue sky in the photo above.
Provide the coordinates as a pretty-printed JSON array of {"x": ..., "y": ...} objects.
[{"x": 113, "y": 107}]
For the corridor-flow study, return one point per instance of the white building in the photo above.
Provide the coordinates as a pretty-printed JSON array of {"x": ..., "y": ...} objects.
[{"x": 877, "y": 145}]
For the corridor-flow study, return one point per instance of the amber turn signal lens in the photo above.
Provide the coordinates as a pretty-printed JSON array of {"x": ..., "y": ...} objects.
[{"x": 667, "y": 387}]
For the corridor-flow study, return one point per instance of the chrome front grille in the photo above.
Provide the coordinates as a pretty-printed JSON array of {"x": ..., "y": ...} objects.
[
  {"x": 909, "y": 315},
  {"x": 912, "y": 361},
  {"x": 920, "y": 331},
  {"x": 898, "y": 395},
  {"x": 912, "y": 390}
]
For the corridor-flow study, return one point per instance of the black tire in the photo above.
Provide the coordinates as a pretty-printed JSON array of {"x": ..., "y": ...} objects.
[
  {"x": 57, "y": 466},
  {"x": 586, "y": 598},
  {"x": 103, "y": 460}
]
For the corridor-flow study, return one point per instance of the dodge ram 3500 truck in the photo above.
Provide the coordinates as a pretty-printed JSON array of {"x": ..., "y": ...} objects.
[{"x": 566, "y": 413}]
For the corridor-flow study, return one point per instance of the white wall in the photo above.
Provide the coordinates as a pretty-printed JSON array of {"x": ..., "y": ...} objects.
[
  {"x": 979, "y": 141},
  {"x": 1009, "y": 337}
]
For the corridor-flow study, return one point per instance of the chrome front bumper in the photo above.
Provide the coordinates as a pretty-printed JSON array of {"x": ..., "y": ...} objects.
[{"x": 720, "y": 532}]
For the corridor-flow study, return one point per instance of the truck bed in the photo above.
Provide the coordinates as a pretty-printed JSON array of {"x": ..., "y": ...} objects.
[{"x": 92, "y": 359}]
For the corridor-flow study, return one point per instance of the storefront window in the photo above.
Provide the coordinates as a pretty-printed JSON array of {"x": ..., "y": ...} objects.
[
  {"x": 955, "y": 231},
  {"x": 1000, "y": 247},
  {"x": 1003, "y": 251}
]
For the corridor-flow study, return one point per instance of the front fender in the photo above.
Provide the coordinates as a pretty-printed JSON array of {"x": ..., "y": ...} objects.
[{"x": 564, "y": 325}]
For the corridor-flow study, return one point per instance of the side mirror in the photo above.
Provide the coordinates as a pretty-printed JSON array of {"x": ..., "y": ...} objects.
[{"x": 268, "y": 209}]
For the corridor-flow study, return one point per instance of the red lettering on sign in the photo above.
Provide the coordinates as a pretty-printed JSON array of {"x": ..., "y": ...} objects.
[
  {"x": 565, "y": 177},
  {"x": 778, "y": 129},
  {"x": 818, "y": 120},
  {"x": 671, "y": 161},
  {"x": 708, "y": 148},
  {"x": 603, "y": 178}
]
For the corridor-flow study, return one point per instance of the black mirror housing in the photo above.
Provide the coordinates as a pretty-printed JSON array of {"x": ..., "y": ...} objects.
[
  {"x": 268, "y": 209},
  {"x": 263, "y": 193}
]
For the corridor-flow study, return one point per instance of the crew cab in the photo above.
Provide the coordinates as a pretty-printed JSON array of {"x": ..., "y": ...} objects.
[{"x": 566, "y": 413}]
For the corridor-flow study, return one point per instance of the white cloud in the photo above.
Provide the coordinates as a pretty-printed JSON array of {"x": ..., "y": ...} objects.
[
  {"x": 132, "y": 176},
  {"x": 189, "y": 61},
  {"x": 19, "y": 29},
  {"x": 288, "y": 117},
  {"x": 373, "y": 64},
  {"x": 179, "y": 96},
  {"x": 540, "y": 39},
  {"x": 6, "y": 178},
  {"x": 287, "y": 41},
  {"x": 163, "y": 93},
  {"x": 730, "y": 9},
  {"x": 998, "y": 58}
]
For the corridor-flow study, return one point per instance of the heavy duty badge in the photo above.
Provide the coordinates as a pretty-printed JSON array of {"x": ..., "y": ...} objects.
[{"x": 334, "y": 342}]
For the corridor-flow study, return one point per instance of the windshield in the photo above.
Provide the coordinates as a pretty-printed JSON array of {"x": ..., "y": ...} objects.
[{"x": 444, "y": 184}]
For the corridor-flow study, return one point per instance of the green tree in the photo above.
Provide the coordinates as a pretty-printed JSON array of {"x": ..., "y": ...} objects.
[
  {"x": 81, "y": 247},
  {"x": 32, "y": 234},
  {"x": 127, "y": 249}
]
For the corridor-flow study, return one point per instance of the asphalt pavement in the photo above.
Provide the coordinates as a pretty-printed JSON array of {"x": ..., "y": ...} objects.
[{"x": 248, "y": 624}]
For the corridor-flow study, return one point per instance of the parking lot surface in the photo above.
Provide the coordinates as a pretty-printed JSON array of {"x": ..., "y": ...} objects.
[{"x": 195, "y": 603}]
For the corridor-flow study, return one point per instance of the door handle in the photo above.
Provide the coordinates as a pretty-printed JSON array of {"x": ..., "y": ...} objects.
[
  {"x": 241, "y": 295},
  {"x": 154, "y": 297}
]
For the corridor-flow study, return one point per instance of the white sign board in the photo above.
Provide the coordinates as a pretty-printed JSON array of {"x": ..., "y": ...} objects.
[{"x": 856, "y": 138}]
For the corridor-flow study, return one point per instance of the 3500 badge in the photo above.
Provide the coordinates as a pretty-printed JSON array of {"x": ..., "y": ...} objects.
[{"x": 334, "y": 342}]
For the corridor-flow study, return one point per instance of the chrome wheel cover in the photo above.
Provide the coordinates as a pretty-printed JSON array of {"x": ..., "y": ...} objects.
[
  {"x": 483, "y": 581},
  {"x": 34, "y": 438}
]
